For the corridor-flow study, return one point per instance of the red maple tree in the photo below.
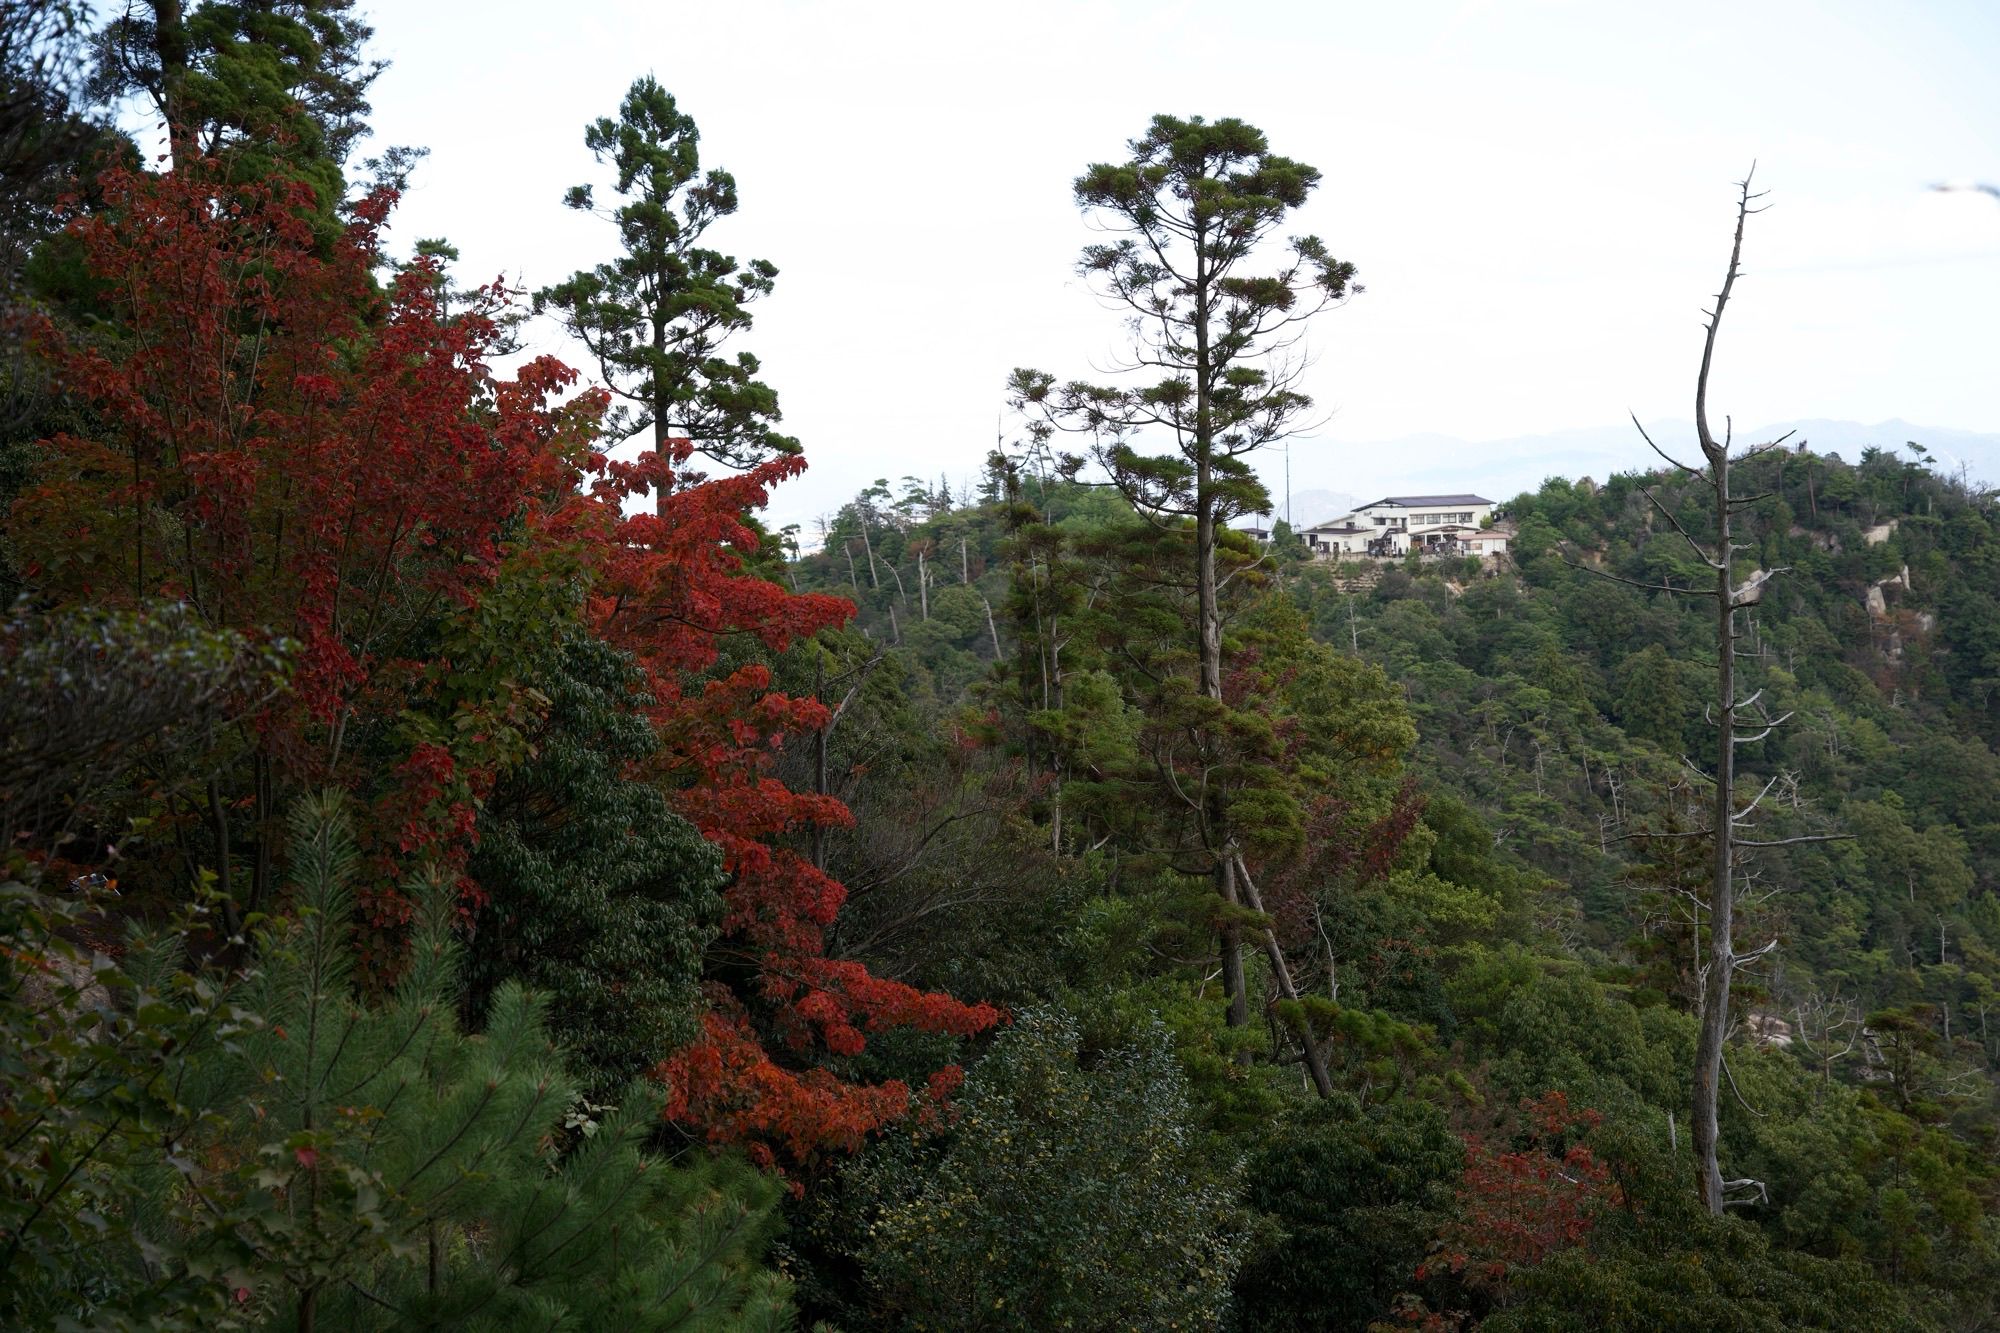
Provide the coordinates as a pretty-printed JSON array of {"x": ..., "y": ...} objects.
[
  {"x": 672, "y": 588},
  {"x": 299, "y": 454},
  {"x": 284, "y": 447},
  {"x": 1523, "y": 1203}
]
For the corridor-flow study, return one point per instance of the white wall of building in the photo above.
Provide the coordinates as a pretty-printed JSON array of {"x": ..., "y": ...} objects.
[{"x": 1403, "y": 521}]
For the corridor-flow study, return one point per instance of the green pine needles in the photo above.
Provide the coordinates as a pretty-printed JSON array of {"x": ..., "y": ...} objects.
[{"x": 341, "y": 1165}]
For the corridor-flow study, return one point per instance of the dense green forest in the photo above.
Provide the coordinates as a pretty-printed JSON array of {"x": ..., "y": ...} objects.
[
  {"x": 1473, "y": 887},
  {"x": 457, "y": 877}
]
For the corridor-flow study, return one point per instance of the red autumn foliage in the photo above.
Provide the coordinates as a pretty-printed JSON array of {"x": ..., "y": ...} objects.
[
  {"x": 300, "y": 455},
  {"x": 673, "y": 588},
  {"x": 1339, "y": 848},
  {"x": 1521, "y": 1204},
  {"x": 285, "y": 448}
]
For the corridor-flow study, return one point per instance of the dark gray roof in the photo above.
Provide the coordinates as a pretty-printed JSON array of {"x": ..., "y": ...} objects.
[{"x": 1429, "y": 501}]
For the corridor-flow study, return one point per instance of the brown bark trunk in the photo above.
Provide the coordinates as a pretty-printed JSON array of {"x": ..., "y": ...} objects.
[{"x": 1315, "y": 1061}]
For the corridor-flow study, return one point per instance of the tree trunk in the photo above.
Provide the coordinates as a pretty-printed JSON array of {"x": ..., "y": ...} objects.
[
  {"x": 819, "y": 760},
  {"x": 874, "y": 579},
  {"x": 265, "y": 806},
  {"x": 1232, "y": 952},
  {"x": 1722, "y": 900},
  {"x": 170, "y": 45},
  {"x": 218, "y": 817},
  {"x": 1208, "y": 631},
  {"x": 1722, "y": 894},
  {"x": 1208, "y": 611},
  {"x": 660, "y": 416},
  {"x": 1315, "y": 1061}
]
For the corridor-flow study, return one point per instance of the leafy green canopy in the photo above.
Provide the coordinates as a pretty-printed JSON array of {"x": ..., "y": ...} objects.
[
  {"x": 1514, "y": 940},
  {"x": 1066, "y": 1195},
  {"x": 599, "y": 894},
  {"x": 265, "y": 83},
  {"x": 1357, "y": 1195}
]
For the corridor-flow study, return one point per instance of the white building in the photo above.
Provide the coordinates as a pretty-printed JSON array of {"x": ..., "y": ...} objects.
[
  {"x": 1337, "y": 536},
  {"x": 1395, "y": 524}
]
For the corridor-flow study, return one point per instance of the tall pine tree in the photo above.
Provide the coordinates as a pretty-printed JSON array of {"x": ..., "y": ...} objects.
[{"x": 655, "y": 318}]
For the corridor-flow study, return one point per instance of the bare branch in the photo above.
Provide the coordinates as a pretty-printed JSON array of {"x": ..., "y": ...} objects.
[
  {"x": 1768, "y": 728},
  {"x": 1709, "y": 447},
  {"x": 1692, "y": 472},
  {"x": 1801, "y": 839},
  {"x": 1700, "y": 552},
  {"x": 1739, "y": 1094},
  {"x": 1635, "y": 583}
]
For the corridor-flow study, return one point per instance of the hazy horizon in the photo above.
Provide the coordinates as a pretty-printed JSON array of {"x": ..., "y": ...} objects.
[{"x": 1538, "y": 198}]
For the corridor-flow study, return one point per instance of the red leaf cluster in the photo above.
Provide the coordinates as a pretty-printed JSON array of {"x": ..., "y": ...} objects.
[
  {"x": 672, "y": 587},
  {"x": 307, "y": 435},
  {"x": 1521, "y": 1204},
  {"x": 300, "y": 455}
]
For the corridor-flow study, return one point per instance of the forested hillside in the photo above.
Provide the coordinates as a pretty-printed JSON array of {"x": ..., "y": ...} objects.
[
  {"x": 460, "y": 869},
  {"x": 1472, "y": 882}
]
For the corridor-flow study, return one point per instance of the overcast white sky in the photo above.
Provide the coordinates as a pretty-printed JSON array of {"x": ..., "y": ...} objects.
[{"x": 1538, "y": 196}]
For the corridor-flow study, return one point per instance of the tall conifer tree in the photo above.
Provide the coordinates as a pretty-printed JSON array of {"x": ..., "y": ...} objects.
[
  {"x": 655, "y": 318},
  {"x": 1194, "y": 206}
]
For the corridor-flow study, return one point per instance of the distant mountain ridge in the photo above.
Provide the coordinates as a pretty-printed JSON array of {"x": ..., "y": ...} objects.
[{"x": 1329, "y": 475}]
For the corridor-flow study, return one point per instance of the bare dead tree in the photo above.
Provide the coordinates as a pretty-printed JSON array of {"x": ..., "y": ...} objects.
[
  {"x": 1829, "y": 1030},
  {"x": 822, "y": 781},
  {"x": 1738, "y": 720}
]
